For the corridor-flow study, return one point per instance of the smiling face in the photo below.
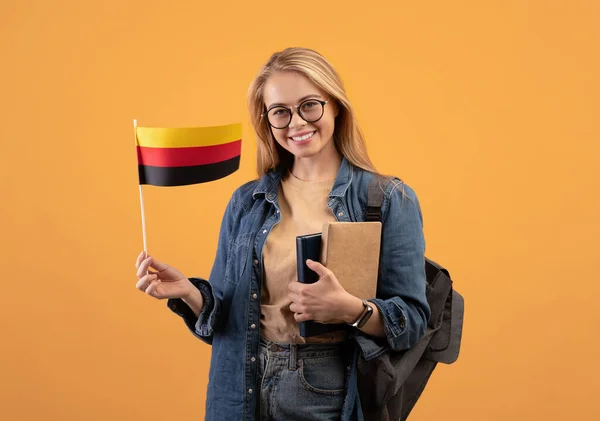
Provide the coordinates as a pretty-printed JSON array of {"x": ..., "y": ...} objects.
[{"x": 301, "y": 138}]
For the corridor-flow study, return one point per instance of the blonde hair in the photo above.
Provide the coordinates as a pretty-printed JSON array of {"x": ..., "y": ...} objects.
[{"x": 347, "y": 135}]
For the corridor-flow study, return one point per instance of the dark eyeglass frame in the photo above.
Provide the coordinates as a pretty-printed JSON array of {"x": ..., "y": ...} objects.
[{"x": 291, "y": 112}]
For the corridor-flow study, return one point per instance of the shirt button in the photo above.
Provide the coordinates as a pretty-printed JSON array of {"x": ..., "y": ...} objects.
[
  {"x": 252, "y": 326},
  {"x": 250, "y": 391},
  {"x": 264, "y": 231},
  {"x": 252, "y": 359},
  {"x": 256, "y": 261},
  {"x": 254, "y": 296},
  {"x": 341, "y": 214}
]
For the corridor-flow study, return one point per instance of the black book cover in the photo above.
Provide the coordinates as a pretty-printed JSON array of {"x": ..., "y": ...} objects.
[{"x": 309, "y": 247}]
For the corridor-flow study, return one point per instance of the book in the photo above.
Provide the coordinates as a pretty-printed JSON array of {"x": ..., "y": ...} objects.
[
  {"x": 351, "y": 251},
  {"x": 309, "y": 247}
]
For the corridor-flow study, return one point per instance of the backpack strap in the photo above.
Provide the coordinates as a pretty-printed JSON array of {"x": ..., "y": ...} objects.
[{"x": 374, "y": 200}]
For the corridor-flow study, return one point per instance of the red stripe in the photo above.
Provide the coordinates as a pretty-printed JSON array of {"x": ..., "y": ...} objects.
[{"x": 184, "y": 157}]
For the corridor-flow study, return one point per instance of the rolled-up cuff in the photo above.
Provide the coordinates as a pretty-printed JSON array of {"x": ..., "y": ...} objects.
[
  {"x": 202, "y": 326},
  {"x": 394, "y": 324}
]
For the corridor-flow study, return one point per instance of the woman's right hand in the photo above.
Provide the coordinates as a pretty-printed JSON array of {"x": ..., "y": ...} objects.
[{"x": 164, "y": 282}]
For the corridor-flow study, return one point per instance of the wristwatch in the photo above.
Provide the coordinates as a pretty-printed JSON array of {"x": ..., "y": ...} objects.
[{"x": 364, "y": 316}]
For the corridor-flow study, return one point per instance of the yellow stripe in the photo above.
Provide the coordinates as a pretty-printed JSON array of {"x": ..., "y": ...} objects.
[{"x": 184, "y": 137}]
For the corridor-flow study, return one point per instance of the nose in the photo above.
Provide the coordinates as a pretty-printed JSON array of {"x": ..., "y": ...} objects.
[{"x": 297, "y": 121}]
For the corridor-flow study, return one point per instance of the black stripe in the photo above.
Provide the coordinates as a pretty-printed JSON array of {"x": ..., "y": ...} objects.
[{"x": 183, "y": 176}]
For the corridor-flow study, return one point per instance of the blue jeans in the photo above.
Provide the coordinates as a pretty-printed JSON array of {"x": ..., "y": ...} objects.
[{"x": 303, "y": 382}]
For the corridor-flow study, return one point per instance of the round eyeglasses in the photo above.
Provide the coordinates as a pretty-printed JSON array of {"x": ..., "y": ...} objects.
[{"x": 310, "y": 110}]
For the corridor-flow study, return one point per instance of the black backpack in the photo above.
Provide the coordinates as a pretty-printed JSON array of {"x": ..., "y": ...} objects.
[{"x": 390, "y": 385}]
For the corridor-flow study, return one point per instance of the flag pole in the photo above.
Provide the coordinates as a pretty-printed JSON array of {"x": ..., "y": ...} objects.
[{"x": 141, "y": 195}]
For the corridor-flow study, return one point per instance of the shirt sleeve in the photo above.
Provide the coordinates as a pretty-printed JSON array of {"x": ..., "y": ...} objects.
[
  {"x": 401, "y": 288},
  {"x": 202, "y": 327},
  {"x": 209, "y": 320}
]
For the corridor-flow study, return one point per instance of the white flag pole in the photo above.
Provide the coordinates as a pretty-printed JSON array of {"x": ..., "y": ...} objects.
[{"x": 141, "y": 195}]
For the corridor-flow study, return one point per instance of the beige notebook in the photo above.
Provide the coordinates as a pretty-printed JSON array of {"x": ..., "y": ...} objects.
[{"x": 351, "y": 251}]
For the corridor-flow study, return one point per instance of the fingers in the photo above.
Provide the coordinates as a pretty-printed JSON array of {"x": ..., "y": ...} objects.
[
  {"x": 296, "y": 308},
  {"x": 299, "y": 312},
  {"x": 321, "y": 270},
  {"x": 145, "y": 281},
  {"x": 148, "y": 280},
  {"x": 295, "y": 287},
  {"x": 301, "y": 317},
  {"x": 298, "y": 297},
  {"x": 152, "y": 288},
  {"x": 139, "y": 259},
  {"x": 143, "y": 262},
  {"x": 159, "y": 266},
  {"x": 143, "y": 267}
]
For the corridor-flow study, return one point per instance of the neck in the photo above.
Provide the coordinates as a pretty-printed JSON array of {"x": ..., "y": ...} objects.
[{"x": 323, "y": 166}]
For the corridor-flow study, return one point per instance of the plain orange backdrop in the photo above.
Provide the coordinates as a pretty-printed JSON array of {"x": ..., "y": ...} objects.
[{"x": 488, "y": 109}]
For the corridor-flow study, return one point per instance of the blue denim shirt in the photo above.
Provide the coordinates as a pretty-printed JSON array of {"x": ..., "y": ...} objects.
[{"x": 230, "y": 319}]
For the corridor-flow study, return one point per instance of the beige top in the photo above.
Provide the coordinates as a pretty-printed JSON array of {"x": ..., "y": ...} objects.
[{"x": 304, "y": 210}]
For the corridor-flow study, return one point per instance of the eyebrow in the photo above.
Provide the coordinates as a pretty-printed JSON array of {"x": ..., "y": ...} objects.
[{"x": 279, "y": 104}]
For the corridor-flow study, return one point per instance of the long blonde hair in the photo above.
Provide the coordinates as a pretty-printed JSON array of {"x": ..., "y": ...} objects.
[{"x": 347, "y": 135}]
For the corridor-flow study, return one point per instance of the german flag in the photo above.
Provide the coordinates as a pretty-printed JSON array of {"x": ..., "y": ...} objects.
[{"x": 183, "y": 156}]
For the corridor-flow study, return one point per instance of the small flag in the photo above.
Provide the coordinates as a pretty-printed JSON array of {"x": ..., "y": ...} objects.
[{"x": 183, "y": 156}]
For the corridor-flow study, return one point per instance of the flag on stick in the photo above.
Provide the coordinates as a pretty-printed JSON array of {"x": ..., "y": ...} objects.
[{"x": 183, "y": 156}]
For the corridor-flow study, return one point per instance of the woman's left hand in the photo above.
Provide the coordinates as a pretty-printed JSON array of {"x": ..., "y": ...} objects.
[{"x": 324, "y": 301}]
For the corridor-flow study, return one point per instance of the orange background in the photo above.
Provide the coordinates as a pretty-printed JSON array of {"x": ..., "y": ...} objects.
[{"x": 488, "y": 109}]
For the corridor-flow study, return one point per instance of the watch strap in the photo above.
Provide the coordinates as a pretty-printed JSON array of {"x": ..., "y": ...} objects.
[{"x": 364, "y": 316}]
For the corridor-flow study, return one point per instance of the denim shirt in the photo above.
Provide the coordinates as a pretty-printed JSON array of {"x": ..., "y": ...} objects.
[{"x": 230, "y": 318}]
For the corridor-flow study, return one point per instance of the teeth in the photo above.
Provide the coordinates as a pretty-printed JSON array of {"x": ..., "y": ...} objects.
[{"x": 301, "y": 138}]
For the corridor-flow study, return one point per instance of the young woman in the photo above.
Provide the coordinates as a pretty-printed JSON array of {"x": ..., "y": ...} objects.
[{"x": 313, "y": 168}]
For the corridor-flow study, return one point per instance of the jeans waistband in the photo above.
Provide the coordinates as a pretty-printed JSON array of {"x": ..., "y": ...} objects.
[
  {"x": 301, "y": 350},
  {"x": 294, "y": 352}
]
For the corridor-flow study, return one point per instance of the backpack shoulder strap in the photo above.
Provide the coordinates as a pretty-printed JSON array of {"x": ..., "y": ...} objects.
[{"x": 375, "y": 199}]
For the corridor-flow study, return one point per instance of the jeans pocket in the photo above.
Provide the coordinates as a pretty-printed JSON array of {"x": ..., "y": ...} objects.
[{"x": 324, "y": 375}]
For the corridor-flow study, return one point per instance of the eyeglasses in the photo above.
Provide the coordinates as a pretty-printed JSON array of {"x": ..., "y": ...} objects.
[{"x": 310, "y": 110}]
